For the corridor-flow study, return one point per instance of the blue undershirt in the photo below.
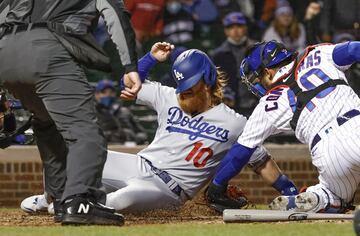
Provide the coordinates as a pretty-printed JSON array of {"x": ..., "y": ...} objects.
[
  {"x": 346, "y": 53},
  {"x": 236, "y": 158}
]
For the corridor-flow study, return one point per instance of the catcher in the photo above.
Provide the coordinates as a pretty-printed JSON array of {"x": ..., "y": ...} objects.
[{"x": 195, "y": 131}]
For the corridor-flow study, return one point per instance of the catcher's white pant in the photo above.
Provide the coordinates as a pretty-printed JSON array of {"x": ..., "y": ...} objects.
[
  {"x": 337, "y": 159},
  {"x": 132, "y": 185}
]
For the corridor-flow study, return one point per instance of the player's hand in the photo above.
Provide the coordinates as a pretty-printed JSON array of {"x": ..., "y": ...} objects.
[
  {"x": 219, "y": 198},
  {"x": 161, "y": 51},
  {"x": 312, "y": 10},
  {"x": 132, "y": 84}
]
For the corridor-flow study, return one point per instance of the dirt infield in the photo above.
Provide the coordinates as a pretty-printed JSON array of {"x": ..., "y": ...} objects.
[{"x": 190, "y": 212}]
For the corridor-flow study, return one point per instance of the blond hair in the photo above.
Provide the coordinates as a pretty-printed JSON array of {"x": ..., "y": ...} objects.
[{"x": 217, "y": 91}]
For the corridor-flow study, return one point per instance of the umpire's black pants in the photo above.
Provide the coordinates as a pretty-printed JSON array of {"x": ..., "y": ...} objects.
[{"x": 36, "y": 68}]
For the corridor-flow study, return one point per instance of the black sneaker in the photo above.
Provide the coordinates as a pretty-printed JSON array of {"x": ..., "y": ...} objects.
[{"x": 81, "y": 210}]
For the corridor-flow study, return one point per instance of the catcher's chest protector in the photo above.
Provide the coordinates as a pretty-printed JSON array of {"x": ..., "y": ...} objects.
[{"x": 303, "y": 97}]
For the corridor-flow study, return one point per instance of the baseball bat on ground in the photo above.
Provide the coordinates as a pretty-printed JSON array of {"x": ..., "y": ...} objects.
[{"x": 232, "y": 216}]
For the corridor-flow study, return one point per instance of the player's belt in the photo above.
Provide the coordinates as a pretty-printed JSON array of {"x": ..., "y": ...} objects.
[
  {"x": 340, "y": 120},
  {"x": 164, "y": 176},
  {"x": 12, "y": 29}
]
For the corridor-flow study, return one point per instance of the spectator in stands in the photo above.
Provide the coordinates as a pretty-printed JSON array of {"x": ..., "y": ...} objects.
[
  {"x": 312, "y": 23},
  {"x": 286, "y": 29},
  {"x": 264, "y": 12},
  {"x": 299, "y": 6},
  {"x": 226, "y": 6},
  {"x": 203, "y": 11},
  {"x": 205, "y": 14},
  {"x": 228, "y": 57},
  {"x": 117, "y": 121},
  {"x": 179, "y": 25},
  {"x": 340, "y": 16},
  {"x": 146, "y": 18}
]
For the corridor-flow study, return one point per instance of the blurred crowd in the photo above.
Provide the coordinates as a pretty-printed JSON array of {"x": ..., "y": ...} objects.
[{"x": 224, "y": 29}]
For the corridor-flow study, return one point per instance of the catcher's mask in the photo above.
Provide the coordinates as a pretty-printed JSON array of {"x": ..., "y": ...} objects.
[
  {"x": 9, "y": 132},
  {"x": 7, "y": 117},
  {"x": 262, "y": 55},
  {"x": 190, "y": 67}
]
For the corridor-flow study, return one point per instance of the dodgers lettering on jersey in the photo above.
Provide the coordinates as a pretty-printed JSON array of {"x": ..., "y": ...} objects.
[
  {"x": 189, "y": 148},
  {"x": 181, "y": 123},
  {"x": 275, "y": 110}
]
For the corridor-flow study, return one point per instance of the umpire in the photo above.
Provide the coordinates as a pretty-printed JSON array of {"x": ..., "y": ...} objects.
[{"x": 43, "y": 48}]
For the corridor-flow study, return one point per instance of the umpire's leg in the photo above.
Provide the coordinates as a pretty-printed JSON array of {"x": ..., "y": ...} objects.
[
  {"x": 61, "y": 85},
  {"x": 69, "y": 99},
  {"x": 52, "y": 147}
]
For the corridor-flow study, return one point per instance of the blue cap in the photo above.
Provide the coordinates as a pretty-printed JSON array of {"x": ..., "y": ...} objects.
[
  {"x": 234, "y": 18},
  {"x": 176, "y": 52},
  {"x": 104, "y": 84},
  {"x": 190, "y": 67}
]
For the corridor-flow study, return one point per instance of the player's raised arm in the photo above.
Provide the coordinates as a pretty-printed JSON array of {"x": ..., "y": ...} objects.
[
  {"x": 159, "y": 53},
  {"x": 346, "y": 53}
]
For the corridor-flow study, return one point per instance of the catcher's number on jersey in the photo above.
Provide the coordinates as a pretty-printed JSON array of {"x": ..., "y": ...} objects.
[
  {"x": 308, "y": 81},
  {"x": 197, "y": 153}
]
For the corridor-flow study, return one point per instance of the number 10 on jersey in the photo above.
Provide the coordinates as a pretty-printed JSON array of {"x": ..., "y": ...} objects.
[{"x": 199, "y": 155}]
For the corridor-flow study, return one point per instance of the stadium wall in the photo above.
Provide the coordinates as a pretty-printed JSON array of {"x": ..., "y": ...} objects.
[{"x": 21, "y": 172}]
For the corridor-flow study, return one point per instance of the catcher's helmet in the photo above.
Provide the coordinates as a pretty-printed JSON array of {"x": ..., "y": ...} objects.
[
  {"x": 191, "y": 66},
  {"x": 262, "y": 55}
]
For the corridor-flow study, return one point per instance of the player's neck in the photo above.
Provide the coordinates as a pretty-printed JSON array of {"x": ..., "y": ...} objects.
[{"x": 206, "y": 108}]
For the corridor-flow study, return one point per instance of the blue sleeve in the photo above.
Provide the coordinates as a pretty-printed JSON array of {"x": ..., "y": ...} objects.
[
  {"x": 346, "y": 53},
  {"x": 236, "y": 158},
  {"x": 145, "y": 64}
]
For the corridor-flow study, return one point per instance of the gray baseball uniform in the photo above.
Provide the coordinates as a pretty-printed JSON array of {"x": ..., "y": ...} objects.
[
  {"x": 180, "y": 160},
  {"x": 39, "y": 69}
]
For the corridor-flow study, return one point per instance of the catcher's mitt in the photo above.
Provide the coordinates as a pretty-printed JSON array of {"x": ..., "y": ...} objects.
[{"x": 220, "y": 198}]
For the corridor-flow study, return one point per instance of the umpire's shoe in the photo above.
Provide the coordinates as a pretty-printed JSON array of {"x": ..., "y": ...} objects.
[{"x": 80, "y": 210}]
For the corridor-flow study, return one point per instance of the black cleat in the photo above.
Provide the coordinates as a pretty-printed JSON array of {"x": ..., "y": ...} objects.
[{"x": 81, "y": 210}]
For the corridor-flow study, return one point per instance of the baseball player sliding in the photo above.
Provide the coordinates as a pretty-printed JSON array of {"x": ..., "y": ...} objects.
[
  {"x": 195, "y": 129},
  {"x": 309, "y": 94}
]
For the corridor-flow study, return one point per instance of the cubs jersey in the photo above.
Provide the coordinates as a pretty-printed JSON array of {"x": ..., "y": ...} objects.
[
  {"x": 276, "y": 109},
  {"x": 189, "y": 148}
]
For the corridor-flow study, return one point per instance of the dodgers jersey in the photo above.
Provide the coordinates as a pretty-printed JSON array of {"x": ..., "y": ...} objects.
[
  {"x": 189, "y": 148},
  {"x": 276, "y": 109}
]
